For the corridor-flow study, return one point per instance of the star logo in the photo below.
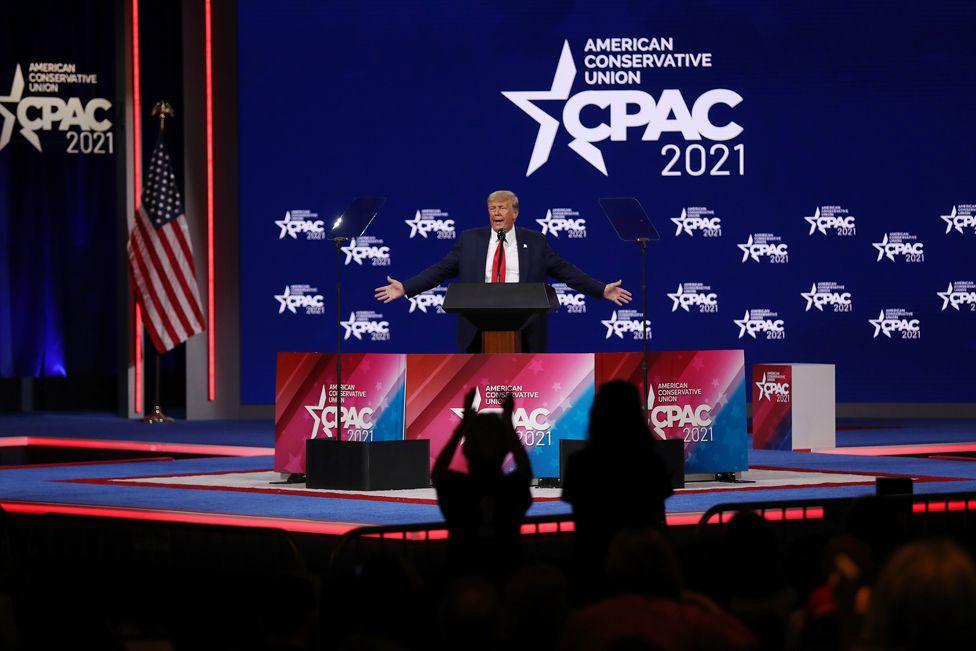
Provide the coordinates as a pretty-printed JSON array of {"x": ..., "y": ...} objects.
[
  {"x": 882, "y": 249},
  {"x": 317, "y": 412},
  {"x": 946, "y": 297},
  {"x": 747, "y": 250},
  {"x": 879, "y": 325},
  {"x": 813, "y": 223},
  {"x": 283, "y": 225},
  {"x": 350, "y": 327},
  {"x": 284, "y": 301},
  {"x": 546, "y": 224},
  {"x": 611, "y": 325},
  {"x": 765, "y": 388},
  {"x": 9, "y": 119},
  {"x": 676, "y": 297},
  {"x": 743, "y": 324},
  {"x": 810, "y": 298},
  {"x": 949, "y": 219},
  {"x": 562, "y": 83},
  {"x": 681, "y": 224},
  {"x": 415, "y": 228},
  {"x": 352, "y": 253}
]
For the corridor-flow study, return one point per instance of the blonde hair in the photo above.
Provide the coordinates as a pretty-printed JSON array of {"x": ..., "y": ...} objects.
[{"x": 504, "y": 195}]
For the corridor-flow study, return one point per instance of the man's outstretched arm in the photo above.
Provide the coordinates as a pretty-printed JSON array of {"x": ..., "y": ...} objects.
[
  {"x": 565, "y": 271},
  {"x": 429, "y": 278}
]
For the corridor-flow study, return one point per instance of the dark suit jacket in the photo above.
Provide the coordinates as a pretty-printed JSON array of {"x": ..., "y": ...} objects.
[{"x": 537, "y": 261}]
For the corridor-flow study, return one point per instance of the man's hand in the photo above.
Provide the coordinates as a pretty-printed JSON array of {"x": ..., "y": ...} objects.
[
  {"x": 614, "y": 292},
  {"x": 394, "y": 290}
]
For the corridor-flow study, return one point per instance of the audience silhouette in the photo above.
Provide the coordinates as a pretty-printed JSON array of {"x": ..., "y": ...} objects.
[
  {"x": 484, "y": 508},
  {"x": 925, "y": 598},
  {"x": 618, "y": 480},
  {"x": 648, "y": 607}
]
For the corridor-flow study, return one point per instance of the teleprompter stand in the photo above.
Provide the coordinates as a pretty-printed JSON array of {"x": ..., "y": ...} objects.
[
  {"x": 632, "y": 224},
  {"x": 360, "y": 465},
  {"x": 500, "y": 310}
]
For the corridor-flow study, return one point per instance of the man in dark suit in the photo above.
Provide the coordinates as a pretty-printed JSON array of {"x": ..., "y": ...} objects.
[{"x": 499, "y": 253}]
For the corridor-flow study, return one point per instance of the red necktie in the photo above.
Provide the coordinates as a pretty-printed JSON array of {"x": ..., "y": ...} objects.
[{"x": 498, "y": 264}]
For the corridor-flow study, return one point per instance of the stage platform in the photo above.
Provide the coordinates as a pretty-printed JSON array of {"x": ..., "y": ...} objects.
[{"x": 221, "y": 472}]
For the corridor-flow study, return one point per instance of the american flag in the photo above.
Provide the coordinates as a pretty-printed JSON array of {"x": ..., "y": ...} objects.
[{"x": 161, "y": 259}]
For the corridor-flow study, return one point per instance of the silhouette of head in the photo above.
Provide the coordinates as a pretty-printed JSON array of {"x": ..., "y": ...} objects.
[
  {"x": 641, "y": 561},
  {"x": 618, "y": 414},
  {"x": 485, "y": 444},
  {"x": 925, "y": 599}
]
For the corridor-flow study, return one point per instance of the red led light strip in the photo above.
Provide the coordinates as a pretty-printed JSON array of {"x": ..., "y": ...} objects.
[
  {"x": 139, "y": 446},
  {"x": 137, "y": 187},
  {"x": 301, "y": 526},
  {"x": 895, "y": 450},
  {"x": 211, "y": 338}
]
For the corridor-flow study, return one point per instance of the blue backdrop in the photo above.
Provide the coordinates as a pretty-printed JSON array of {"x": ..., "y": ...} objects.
[
  {"x": 856, "y": 116},
  {"x": 58, "y": 184}
]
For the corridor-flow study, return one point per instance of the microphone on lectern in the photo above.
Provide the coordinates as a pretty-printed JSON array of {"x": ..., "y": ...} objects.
[{"x": 501, "y": 235}]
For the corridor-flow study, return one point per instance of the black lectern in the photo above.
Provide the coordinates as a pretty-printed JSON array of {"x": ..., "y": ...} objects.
[{"x": 500, "y": 310}]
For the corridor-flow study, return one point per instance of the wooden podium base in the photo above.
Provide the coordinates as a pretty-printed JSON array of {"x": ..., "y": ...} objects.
[{"x": 501, "y": 341}]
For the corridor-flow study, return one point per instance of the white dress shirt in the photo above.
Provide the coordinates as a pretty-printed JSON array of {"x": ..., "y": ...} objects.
[{"x": 511, "y": 256}]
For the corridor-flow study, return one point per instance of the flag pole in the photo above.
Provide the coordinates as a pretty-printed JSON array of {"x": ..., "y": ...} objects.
[{"x": 164, "y": 110}]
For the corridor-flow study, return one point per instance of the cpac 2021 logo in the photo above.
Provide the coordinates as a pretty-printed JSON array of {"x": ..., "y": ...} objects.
[
  {"x": 623, "y": 322},
  {"x": 569, "y": 299},
  {"x": 761, "y": 321},
  {"x": 431, "y": 220},
  {"x": 304, "y": 297},
  {"x": 697, "y": 218},
  {"x": 665, "y": 417},
  {"x": 366, "y": 322},
  {"x": 695, "y": 295},
  {"x": 773, "y": 389},
  {"x": 832, "y": 218},
  {"x": 563, "y": 220},
  {"x": 357, "y": 422},
  {"x": 301, "y": 222},
  {"x": 533, "y": 427},
  {"x": 619, "y": 111},
  {"x": 904, "y": 246},
  {"x": 960, "y": 292},
  {"x": 896, "y": 320},
  {"x": 961, "y": 217},
  {"x": 828, "y": 294},
  {"x": 367, "y": 248},
  {"x": 36, "y": 113},
  {"x": 432, "y": 299},
  {"x": 765, "y": 246}
]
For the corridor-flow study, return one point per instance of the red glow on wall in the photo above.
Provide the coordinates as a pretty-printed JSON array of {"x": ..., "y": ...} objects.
[
  {"x": 211, "y": 309},
  {"x": 137, "y": 189},
  {"x": 301, "y": 526}
]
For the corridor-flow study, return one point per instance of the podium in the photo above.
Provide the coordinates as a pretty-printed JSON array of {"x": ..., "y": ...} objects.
[
  {"x": 500, "y": 310},
  {"x": 793, "y": 407}
]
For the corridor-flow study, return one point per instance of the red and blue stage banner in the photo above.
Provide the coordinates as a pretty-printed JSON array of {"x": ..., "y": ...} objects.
[
  {"x": 772, "y": 407},
  {"x": 695, "y": 395},
  {"x": 373, "y": 388},
  {"x": 553, "y": 395}
]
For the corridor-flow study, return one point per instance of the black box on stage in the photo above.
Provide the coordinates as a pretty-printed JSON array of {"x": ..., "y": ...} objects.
[
  {"x": 369, "y": 466},
  {"x": 566, "y": 448},
  {"x": 673, "y": 451},
  {"x": 674, "y": 458},
  {"x": 893, "y": 486}
]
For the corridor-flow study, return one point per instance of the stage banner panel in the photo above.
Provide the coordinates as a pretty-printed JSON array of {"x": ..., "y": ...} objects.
[
  {"x": 553, "y": 396},
  {"x": 772, "y": 407},
  {"x": 373, "y": 387},
  {"x": 698, "y": 396}
]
